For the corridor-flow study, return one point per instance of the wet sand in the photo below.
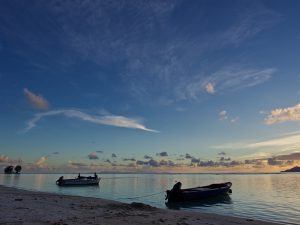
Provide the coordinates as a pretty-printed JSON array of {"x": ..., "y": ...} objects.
[{"x": 31, "y": 207}]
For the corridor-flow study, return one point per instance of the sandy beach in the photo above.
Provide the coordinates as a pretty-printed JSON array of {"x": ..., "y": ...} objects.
[{"x": 30, "y": 207}]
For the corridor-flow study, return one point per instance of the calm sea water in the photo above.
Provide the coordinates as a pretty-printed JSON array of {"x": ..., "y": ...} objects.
[{"x": 270, "y": 197}]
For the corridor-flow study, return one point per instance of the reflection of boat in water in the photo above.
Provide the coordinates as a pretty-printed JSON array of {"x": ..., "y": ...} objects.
[
  {"x": 79, "y": 181},
  {"x": 198, "y": 193},
  {"x": 221, "y": 199}
]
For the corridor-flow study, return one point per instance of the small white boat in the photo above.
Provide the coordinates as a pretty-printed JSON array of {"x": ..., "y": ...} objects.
[{"x": 79, "y": 181}]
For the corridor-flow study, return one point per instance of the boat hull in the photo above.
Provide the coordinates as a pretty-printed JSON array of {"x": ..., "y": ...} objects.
[
  {"x": 78, "y": 182},
  {"x": 199, "y": 193}
]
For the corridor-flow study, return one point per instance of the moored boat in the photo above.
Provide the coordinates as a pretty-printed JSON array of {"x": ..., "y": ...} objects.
[
  {"x": 176, "y": 194},
  {"x": 79, "y": 181}
]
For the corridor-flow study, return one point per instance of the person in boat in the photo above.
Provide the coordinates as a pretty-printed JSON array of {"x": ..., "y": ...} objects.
[
  {"x": 61, "y": 178},
  {"x": 79, "y": 176},
  {"x": 175, "y": 191},
  {"x": 176, "y": 188},
  {"x": 95, "y": 176}
]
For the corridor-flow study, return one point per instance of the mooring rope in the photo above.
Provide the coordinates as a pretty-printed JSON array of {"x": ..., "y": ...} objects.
[
  {"x": 144, "y": 196},
  {"x": 111, "y": 178}
]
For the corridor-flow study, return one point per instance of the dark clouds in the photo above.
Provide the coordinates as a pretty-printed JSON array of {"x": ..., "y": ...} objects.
[
  {"x": 162, "y": 154},
  {"x": 107, "y": 161},
  {"x": 208, "y": 163},
  {"x": 188, "y": 156},
  {"x": 180, "y": 159},
  {"x": 222, "y": 153},
  {"x": 292, "y": 156},
  {"x": 211, "y": 163},
  {"x": 93, "y": 156},
  {"x": 141, "y": 163},
  {"x": 194, "y": 160},
  {"x": 129, "y": 159},
  {"x": 147, "y": 157},
  {"x": 153, "y": 163},
  {"x": 224, "y": 159},
  {"x": 274, "y": 162}
]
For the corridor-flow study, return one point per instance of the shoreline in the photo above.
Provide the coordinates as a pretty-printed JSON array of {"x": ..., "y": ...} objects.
[
  {"x": 18, "y": 206},
  {"x": 165, "y": 173}
]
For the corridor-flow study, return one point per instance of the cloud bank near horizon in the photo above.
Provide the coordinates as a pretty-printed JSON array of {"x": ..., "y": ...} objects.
[
  {"x": 260, "y": 164},
  {"x": 281, "y": 115}
]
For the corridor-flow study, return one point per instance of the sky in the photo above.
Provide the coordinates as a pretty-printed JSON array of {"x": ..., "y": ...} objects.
[{"x": 150, "y": 86}]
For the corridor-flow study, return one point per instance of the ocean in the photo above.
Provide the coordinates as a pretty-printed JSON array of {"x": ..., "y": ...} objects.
[{"x": 269, "y": 197}]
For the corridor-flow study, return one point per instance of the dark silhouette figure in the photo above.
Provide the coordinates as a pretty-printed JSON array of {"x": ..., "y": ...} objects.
[
  {"x": 177, "y": 187},
  {"x": 18, "y": 169},
  {"x": 8, "y": 169}
]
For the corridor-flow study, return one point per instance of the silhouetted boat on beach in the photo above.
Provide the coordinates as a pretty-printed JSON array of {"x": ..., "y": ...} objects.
[
  {"x": 79, "y": 181},
  {"x": 205, "y": 202},
  {"x": 176, "y": 194}
]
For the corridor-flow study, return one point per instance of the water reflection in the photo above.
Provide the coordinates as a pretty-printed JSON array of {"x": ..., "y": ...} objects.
[
  {"x": 219, "y": 200},
  {"x": 272, "y": 197},
  {"x": 7, "y": 178},
  {"x": 16, "y": 179}
]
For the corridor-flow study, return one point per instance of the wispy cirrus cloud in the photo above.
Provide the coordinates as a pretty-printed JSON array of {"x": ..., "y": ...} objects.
[
  {"x": 143, "y": 38},
  {"x": 223, "y": 115},
  {"x": 36, "y": 100},
  {"x": 251, "y": 23},
  {"x": 284, "y": 142},
  {"x": 280, "y": 115},
  {"x": 109, "y": 120},
  {"x": 277, "y": 142},
  {"x": 226, "y": 79},
  {"x": 235, "y": 77}
]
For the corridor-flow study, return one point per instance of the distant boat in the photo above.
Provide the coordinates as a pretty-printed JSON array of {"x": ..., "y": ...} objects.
[
  {"x": 198, "y": 193},
  {"x": 79, "y": 181}
]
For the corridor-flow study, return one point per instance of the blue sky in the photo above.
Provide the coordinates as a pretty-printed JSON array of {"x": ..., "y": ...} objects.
[{"x": 138, "y": 78}]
